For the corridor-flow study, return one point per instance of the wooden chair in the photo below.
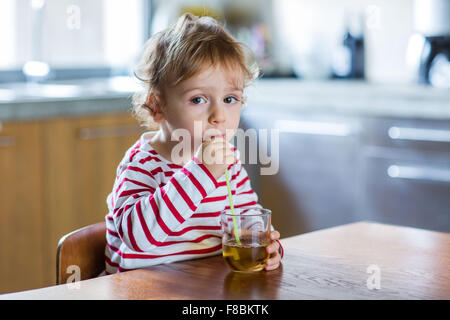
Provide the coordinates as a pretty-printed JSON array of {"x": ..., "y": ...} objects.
[{"x": 84, "y": 248}]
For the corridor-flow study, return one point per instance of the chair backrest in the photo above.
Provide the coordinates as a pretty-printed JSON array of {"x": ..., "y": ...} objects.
[{"x": 84, "y": 248}]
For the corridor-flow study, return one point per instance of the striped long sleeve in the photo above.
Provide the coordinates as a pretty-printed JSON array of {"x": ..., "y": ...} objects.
[{"x": 160, "y": 212}]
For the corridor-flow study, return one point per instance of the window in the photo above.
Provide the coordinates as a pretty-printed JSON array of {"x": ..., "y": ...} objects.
[{"x": 70, "y": 36}]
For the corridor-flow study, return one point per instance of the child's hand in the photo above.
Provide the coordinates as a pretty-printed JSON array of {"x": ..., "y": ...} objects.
[
  {"x": 216, "y": 154},
  {"x": 274, "y": 250}
]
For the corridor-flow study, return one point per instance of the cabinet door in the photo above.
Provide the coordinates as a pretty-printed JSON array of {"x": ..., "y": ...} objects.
[
  {"x": 81, "y": 156},
  {"x": 406, "y": 187},
  {"x": 316, "y": 184},
  {"x": 405, "y": 171},
  {"x": 21, "y": 225}
]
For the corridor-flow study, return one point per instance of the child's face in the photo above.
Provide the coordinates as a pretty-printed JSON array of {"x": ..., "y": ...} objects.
[{"x": 213, "y": 97}]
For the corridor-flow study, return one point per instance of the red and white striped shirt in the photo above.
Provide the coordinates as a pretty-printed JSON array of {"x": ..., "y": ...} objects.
[{"x": 160, "y": 212}]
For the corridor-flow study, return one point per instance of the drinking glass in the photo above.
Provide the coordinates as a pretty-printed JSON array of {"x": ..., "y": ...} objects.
[{"x": 245, "y": 236}]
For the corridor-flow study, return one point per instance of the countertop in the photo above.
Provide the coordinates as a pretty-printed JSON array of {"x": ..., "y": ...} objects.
[
  {"x": 362, "y": 260},
  {"x": 29, "y": 101},
  {"x": 23, "y": 101},
  {"x": 352, "y": 98}
]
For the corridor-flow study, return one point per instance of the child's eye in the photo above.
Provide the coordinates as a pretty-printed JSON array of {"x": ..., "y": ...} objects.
[
  {"x": 197, "y": 100},
  {"x": 230, "y": 100}
]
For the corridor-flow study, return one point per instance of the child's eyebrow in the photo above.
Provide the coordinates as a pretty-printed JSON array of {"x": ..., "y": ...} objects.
[
  {"x": 200, "y": 88},
  {"x": 235, "y": 89},
  {"x": 195, "y": 88}
]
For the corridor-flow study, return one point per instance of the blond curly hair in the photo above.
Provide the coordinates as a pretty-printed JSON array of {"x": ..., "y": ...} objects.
[{"x": 181, "y": 51}]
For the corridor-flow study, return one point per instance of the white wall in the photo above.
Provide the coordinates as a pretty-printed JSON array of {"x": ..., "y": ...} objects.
[{"x": 311, "y": 29}]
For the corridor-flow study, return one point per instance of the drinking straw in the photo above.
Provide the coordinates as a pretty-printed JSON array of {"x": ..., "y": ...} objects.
[{"x": 236, "y": 234}]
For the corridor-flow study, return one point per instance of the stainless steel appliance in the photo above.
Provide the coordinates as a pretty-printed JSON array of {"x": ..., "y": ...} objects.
[{"x": 429, "y": 47}]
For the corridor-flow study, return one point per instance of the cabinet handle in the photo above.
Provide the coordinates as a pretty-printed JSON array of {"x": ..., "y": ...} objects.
[
  {"x": 315, "y": 127},
  {"x": 418, "y": 134},
  {"x": 419, "y": 173},
  {"x": 7, "y": 141},
  {"x": 109, "y": 132}
]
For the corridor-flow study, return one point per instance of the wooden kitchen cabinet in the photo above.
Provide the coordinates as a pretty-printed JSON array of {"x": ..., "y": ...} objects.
[
  {"x": 56, "y": 175},
  {"x": 23, "y": 264},
  {"x": 81, "y": 156}
]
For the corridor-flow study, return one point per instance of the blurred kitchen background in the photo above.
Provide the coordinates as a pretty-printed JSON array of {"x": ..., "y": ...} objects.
[{"x": 358, "y": 89}]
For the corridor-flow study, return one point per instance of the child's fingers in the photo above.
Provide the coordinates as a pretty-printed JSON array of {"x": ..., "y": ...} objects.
[
  {"x": 217, "y": 152},
  {"x": 218, "y": 143},
  {"x": 272, "y": 267},
  {"x": 273, "y": 247},
  {"x": 273, "y": 262},
  {"x": 275, "y": 235}
]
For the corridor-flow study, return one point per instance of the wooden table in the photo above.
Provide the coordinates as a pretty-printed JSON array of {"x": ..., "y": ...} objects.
[{"x": 333, "y": 263}]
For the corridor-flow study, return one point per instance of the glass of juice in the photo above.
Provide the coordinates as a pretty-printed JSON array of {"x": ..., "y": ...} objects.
[{"x": 245, "y": 236}]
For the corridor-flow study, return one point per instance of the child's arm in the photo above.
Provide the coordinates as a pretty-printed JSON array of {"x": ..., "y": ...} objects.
[{"x": 145, "y": 214}]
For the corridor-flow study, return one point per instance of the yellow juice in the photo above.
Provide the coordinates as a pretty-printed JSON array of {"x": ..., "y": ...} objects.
[{"x": 245, "y": 257}]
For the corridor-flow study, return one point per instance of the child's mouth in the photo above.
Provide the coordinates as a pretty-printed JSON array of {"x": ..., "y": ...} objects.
[{"x": 214, "y": 136}]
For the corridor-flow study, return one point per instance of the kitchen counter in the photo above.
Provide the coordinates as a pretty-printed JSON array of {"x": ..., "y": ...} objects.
[
  {"x": 81, "y": 97},
  {"x": 22, "y": 101},
  {"x": 355, "y": 261},
  {"x": 351, "y": 98}
]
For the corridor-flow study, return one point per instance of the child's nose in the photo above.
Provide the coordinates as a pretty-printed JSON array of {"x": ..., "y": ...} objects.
[{"x": 217, "y": 113}]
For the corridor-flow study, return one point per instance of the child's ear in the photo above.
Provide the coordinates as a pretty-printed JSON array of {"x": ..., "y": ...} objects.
[{"x": 154, "y": 106}]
